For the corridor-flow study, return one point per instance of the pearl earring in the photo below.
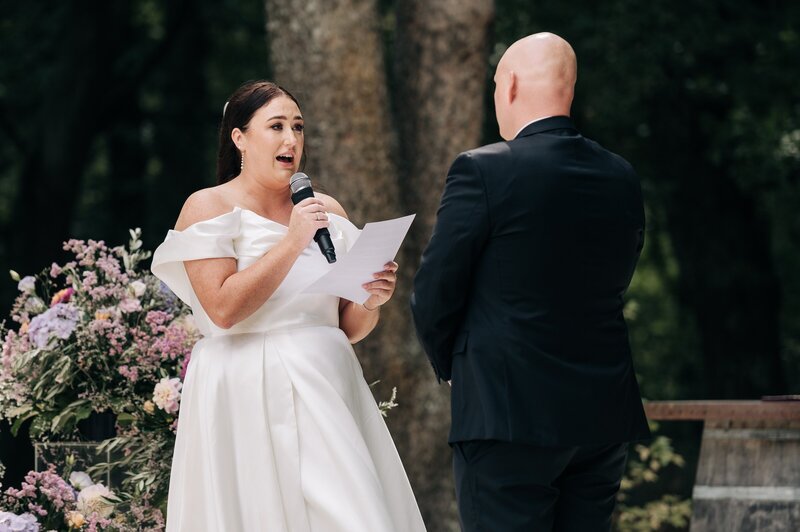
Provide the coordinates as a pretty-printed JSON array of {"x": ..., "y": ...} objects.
[{"x": 242, "y": 165}]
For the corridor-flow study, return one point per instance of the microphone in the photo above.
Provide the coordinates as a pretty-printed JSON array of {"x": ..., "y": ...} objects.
[{"x": 300, "y": 184}]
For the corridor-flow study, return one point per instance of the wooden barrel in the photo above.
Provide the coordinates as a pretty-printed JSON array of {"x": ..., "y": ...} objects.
[
  {"x": 748, "y": 477},
  {"x": 748, "y": 472}
]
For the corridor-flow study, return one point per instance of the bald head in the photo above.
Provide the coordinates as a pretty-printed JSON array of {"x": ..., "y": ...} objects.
[{"x": 535, "y": 78}]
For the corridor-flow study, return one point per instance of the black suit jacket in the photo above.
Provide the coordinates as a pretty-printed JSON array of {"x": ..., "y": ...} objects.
[{"x": 519, "y": 295}]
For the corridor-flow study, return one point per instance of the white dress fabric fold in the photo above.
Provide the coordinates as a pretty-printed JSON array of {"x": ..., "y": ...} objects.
[{"x": 278, "y": 430}]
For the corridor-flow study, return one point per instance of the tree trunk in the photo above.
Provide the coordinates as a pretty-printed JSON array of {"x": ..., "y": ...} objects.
[
  {"x": 441, "y": 66},
  {"x": 441, "y": 63},
  {"x": 330, "y": 55}
]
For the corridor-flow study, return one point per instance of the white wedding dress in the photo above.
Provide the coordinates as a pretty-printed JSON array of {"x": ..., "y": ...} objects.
[{"x": 278, "y": 430}]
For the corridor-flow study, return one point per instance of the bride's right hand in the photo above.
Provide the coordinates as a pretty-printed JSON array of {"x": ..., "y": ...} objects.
[{"x": 307, "y": 217}]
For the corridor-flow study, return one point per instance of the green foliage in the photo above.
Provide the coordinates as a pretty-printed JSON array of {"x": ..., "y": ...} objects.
[
  {"x": 700, "y": 96},
  {"x": 668, "y": 512},
  {"x": 702, "y": 99}
]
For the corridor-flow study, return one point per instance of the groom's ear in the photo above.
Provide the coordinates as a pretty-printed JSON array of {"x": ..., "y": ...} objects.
[{"x": 513, "y": 86}]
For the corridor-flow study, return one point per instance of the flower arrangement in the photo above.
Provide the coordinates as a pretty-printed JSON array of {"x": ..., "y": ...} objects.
[
  {"x": 45, "y": 501},
  {"x": 97, "y": 334}
]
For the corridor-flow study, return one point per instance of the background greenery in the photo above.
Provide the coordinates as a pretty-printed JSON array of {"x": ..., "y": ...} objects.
[{"x": 109, "y": 110}]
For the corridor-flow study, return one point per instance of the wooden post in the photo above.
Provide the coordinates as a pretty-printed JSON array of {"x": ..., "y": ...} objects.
[{"x": 748, "y": 473}]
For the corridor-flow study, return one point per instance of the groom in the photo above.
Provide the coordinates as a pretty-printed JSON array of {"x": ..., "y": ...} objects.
[{"x": 518, "y": 304}]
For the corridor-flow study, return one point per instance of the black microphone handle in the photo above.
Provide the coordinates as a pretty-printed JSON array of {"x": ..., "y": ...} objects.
[
  {"x": 323, "y": 240},
  {"x": 322, "y": 237}
]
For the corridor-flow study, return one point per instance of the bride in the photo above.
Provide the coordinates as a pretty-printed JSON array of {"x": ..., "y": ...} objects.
[{"x": 278, "y": 431}]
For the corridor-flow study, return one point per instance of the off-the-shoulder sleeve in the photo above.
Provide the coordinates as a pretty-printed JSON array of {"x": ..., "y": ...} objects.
[{"x": 204, "y": 240}]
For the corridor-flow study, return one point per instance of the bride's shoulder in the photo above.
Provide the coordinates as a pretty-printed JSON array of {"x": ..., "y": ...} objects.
[
  {"x": 331, "y": 205},
  {"x": 203, "y": 205}
]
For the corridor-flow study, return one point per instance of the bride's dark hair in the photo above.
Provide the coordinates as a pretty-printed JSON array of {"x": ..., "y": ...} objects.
[{"x": 241, "y": 106}]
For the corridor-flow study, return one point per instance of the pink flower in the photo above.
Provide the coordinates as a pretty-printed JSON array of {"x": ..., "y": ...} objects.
[
  {"x": 156, "y": 318},
  {"x": 89, "y": 280},
  {"x": 129, "y": 373},
  {"x": 62, "y": 296},
  {"x": 55, "y": 270},
  {"x": 185, "y": 366},
  {"x": 130, "y": 304},
  {"x": 167, "y": 394}
]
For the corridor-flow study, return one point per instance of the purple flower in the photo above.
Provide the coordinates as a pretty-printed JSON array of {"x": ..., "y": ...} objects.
[
  {"x": 22, "y": 523},
  {"x": 58, "y": 321},
  {"x": 171, "y": 301},
  {"x": 185, "y": 366}
]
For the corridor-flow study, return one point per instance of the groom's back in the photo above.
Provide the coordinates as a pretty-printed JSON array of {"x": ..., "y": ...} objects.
[
  {"x": 567, "y": 229},
  {"x": 544, "y": 321}
]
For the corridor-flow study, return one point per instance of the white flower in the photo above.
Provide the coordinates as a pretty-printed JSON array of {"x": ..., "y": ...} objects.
[
  {"x": 27, "y": 284},
  {"x": 167, "y": 394},
  {"x": 130, "y": 304},
  {"x": 137, "y": 288},
  {"x": 35, "y": 305},
  {"x": 96, "y": 498},
  {"x": 187, "y": 323},
  {"x": 80, "y": 480}
]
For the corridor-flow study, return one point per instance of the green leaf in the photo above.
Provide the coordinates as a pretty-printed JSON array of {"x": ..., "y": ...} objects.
[
  {"x": 60, "y": 421},
  {"x": 125, "y": 418},
  {"x": 22, "y": 361},
  {"x": 83, "y": 412},
  {"x": 40, "y": 425},
  {"x": 70, "y": 414},
  {"x": 19, "y": 421},
  {"x": 19, "y": 411},
  {"x": 66, "y": 366}
]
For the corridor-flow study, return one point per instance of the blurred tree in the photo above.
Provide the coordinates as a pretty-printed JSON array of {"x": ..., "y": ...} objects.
[
  {"x": 331, "y": 55},
  {"x": 72, "y": 75},
  {"x": 110, "y": 122},
  {"x": 108, "y": 114},
  {"x": 88, "y": 86},
  {"x": 699, "y": 97}
]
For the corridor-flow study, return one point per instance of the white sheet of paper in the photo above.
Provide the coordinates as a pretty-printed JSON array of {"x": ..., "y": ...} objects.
[{"x": 377, "y": 244}]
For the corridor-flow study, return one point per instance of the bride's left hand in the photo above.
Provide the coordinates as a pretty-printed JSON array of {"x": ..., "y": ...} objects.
[{"x": 382, "y": 288}]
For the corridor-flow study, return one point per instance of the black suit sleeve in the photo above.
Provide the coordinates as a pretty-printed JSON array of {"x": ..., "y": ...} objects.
[{"x": 442, "y": 284}]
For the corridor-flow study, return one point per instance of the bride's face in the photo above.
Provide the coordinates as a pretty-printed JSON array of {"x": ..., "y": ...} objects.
[{"x": 273, "y": 142}]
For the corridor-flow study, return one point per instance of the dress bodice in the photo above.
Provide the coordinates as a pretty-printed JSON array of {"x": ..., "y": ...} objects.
[{"x": 247, "y": 236}]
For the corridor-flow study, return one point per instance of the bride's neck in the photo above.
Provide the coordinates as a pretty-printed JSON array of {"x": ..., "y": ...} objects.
[{"x": 262, "y": 199}]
